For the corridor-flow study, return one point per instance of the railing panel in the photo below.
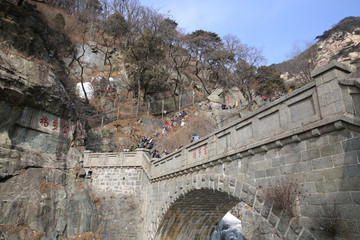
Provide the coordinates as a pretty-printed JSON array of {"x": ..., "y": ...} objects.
[
  {"x": 244, "y": 135},
  {"x": 270, "y": 124}
]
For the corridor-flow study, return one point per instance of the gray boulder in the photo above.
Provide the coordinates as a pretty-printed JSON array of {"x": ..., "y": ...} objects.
[
  {"x": 151, "y": 124},
  {"x": 124, "y": 143},
  {"x": 215, "y": 96},
  {"x": 127, "y": 130},
  {"x": 101, "y": 140}
]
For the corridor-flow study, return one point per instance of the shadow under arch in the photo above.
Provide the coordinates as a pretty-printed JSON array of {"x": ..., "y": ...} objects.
[{"x": 195, "y": 215}]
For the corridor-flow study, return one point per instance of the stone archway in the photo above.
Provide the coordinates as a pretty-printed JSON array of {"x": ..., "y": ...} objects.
[
  {"x": 195, "y": 214},
  {"x": 197, "y": 202}
]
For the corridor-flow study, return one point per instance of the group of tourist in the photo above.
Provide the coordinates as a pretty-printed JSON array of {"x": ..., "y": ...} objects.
[
  {"x": 143, "y": 143},
  {"x": 175, "y": 121},
  {"x": 147, "y": 143},
  {"x": 157, "y": 154},
  {"x": 236, "y": 104}
]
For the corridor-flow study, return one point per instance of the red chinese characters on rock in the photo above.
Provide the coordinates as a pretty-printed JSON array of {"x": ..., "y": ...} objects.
[
  {"x": 55, "y": 125},
  {"x": 65, "y": 130},
  {"x": 201, "y": 152},
  {"x": 44, "y": 121}
]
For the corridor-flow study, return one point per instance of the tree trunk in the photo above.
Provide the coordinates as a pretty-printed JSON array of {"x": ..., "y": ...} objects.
[
  {"x": 202, "y": 82},
  {"x": 138, "y": 98},
  {"x": 82, "y": 82}
]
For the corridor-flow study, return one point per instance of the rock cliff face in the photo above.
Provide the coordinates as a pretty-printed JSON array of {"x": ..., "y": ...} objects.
[
  {"x": 42, "y": 188},
  {"x": 341, "y": 46},
  {"x": 341, "y": 43}
]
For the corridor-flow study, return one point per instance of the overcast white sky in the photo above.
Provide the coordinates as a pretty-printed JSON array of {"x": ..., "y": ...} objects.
[{"x": 271, "y": 25}]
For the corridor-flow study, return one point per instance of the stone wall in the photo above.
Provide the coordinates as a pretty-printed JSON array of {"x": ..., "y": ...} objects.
[
  {"x": 117, "y": 181},
  {"x": 299, "y": 115},
  {"x": 119, "y": 200}
]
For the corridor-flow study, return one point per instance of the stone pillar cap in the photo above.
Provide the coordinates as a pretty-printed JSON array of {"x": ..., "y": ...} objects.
[{"x": 327, "y": 67}]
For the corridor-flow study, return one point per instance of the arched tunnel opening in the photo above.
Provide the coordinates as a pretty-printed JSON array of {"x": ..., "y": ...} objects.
[{"x": 195, "y": 215}]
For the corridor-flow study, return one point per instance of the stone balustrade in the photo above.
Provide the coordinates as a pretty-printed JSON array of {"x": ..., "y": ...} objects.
[{"x": 139, "y": 158}]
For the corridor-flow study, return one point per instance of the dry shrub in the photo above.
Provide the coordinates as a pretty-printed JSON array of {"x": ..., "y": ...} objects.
[
  {"x": 59, "y": 22},
  {"x": 46, "y": 187},
  {"x": 68, "y": 23},
  {"x": 77, "y": 168},
  {"x": 330, "y": 225},
  {"x": 22, "y": 231},
  {"x": 202, "y": 125},
  {"x": 282, "y": 195}
]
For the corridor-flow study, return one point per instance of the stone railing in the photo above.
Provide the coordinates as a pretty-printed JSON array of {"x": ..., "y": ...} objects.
[
  {"x": 139, "y": 158},
  {"x": 321, "y": 106},
  {"x": 324, "y": 105}
]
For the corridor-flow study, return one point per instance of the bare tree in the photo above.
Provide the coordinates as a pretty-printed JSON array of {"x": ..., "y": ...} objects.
[
  {"x": 220, "y": 62},
  {"x": 249, "y": 60},
  {"x": 177, "y": 57},
  {"x": 133, "y": 13},
  {"x": 243, "y": 66},
  {"x": 77, "y": 58},
  {"x": 303, "y": 59}
]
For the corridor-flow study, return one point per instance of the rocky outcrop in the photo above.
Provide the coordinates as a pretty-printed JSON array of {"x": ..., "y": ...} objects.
[
  {"x": 341, "y": 43},
  {"x": 102, "y": 139},
  {"x": 35, "y": 106},
  {"x": 55, "y": 202},
  {"x": 169, "y": 102},
  {"x": 340, "y": 46},
  {"x": 43, "y": 193},
  {"x": 42, "y": 186},
  {"x": 151, "y": 124}
]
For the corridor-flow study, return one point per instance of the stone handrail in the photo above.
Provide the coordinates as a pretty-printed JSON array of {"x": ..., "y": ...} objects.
[{"x": 139, "y": 158}]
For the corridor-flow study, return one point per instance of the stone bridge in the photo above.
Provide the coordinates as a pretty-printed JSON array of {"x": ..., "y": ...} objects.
[{"x": 310, "y": 137}]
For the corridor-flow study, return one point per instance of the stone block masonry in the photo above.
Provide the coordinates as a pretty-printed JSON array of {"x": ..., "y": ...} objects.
[
  {"x": 117, "y": 181},
  {"x": 118, "y": 192}
]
